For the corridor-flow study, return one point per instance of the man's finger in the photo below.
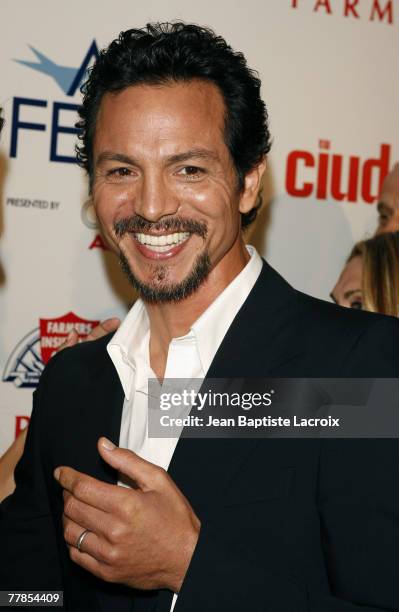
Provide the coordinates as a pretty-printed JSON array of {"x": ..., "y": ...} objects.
[
  {"x": 92, "y": 544},
  {"x": 90, "y": 490},
  {"x": 92, "y": 565},
  {"x": 87, "y": 561},
  {"x": 105, "y": 327},
  {"x": 146, "y": 475},
  {"x": 87, "y": 516},
  {"x": 71, "y": 339}
]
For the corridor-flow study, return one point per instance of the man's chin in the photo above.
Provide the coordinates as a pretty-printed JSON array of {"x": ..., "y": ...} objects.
[{"x": 162, "y": 292}]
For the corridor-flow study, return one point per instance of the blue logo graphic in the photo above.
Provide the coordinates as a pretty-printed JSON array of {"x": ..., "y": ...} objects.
[
  {"x": 60, "y": 134},
  {"x": 69, "y": 79},
  {"x": 25, "y": 364}
]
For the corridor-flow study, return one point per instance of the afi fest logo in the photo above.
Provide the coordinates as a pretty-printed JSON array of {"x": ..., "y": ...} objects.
[
  {"x": 29, "y": 357},
  {"x": 326, "y": 175},
  {"x": 68, "y": 80},
  {"x": 371, "y": 10}
]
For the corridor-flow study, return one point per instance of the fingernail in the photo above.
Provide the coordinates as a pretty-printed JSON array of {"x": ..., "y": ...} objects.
[
  {"x": 57, "y": 473},
  {"x": 107, "y": 444}
]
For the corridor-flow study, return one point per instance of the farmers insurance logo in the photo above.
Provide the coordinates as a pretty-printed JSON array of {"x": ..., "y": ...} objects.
[
  {"x": 27, "y": 361},
  {"x": 68, "y": 80}
]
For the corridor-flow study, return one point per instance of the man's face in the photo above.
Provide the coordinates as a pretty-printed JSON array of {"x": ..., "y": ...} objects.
[
  {"x": 388, "y": 205},
  {"x": 165, "y": 189},
  {"x": 348, "y": 290}
]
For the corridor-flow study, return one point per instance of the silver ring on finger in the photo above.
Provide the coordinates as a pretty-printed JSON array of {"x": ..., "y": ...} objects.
[{"x": 80, "y": 539}]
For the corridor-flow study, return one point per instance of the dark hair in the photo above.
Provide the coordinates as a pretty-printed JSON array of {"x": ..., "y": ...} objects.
[
  {"x": 1, "y": 119},
  {"x": 164, "y": 52}
]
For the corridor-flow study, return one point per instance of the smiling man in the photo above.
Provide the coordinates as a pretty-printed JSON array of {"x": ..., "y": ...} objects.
[{"x": 174, "y": 138}]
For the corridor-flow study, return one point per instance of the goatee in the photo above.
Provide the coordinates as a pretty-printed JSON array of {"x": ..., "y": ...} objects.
[{"x": 163, "y": 292}]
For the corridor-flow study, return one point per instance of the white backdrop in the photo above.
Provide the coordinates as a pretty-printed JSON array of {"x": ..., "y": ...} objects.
[{"x": 329, "y": 80}]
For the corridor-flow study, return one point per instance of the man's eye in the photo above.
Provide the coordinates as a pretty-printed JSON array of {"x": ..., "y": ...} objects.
[
  {"x": 357, "y": 305},
  {"x": 118, "y": 172},
  {"x": 191, "y": 172}
]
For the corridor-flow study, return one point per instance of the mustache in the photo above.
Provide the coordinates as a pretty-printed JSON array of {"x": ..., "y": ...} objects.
[{"x": 176, "y": 224}]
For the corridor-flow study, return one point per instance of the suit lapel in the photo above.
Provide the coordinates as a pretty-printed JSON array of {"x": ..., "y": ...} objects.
[
  {"x": 106, "y": 394},
  {"x": 263, "y": 335},
  {"x": 261, "y": 340}
]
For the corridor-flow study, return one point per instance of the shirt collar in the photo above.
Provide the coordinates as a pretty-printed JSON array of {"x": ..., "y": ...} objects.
[{"x": 130, "y": 345}]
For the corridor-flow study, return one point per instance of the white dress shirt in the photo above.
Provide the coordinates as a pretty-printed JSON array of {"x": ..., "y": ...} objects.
[{"x": 189, "y": 357}]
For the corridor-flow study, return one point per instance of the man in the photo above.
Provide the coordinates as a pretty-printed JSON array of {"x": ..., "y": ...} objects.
[
  {"x": 347, "y": 290},
  {"x": 388, "y": 204},
  {"x": 174, "y": 137}
]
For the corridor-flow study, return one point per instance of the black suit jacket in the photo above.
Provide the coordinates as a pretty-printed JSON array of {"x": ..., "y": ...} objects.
[{"x": 287, "y": 525}]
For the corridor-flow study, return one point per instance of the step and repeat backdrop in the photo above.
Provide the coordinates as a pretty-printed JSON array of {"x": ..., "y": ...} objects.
[{"x": 329, "y": 74}]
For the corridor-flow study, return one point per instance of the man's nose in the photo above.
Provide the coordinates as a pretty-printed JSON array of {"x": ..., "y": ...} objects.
[{"x": 155, "y": 199}]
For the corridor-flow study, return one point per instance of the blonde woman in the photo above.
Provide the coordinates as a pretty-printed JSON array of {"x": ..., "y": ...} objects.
[{"x": 370, "y": 278}]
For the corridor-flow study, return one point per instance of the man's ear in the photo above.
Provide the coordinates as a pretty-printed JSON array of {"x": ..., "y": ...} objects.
[{"x": 251, "y": 187}]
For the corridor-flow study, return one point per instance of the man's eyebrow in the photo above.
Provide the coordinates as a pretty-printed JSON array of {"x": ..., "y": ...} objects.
[
  {"x": 198, "y": 153},
  {"x": 119, "y": 157}
]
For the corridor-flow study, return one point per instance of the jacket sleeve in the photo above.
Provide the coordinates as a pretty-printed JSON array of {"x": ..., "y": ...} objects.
[
  {"x": 221, "y": 579},
  {"x": 359, "y": 512},
  {"x": 359, "y": 490},
  {"x": 358, "y": 501},
  {"x": 27, "y": 535}
]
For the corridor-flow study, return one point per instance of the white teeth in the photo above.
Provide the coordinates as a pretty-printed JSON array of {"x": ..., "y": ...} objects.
[
  {"x": 159, "y": 249},
  {"x": 162, "y": 243}
]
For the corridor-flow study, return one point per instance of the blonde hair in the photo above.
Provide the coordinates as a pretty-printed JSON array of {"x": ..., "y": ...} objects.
[{"x": 380, "y": 278}]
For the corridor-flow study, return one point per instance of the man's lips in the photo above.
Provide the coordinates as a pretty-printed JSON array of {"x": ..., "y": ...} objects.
[{"x": 155, "y": 246}]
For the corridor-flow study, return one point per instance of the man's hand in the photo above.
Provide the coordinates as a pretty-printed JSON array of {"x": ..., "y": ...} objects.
[
  {"x": 105, "y": 327},
  {"x": 142, "y": 537}
]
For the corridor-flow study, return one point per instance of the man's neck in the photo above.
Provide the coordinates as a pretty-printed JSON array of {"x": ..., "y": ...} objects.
[{"x": 174, "y": 319}]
